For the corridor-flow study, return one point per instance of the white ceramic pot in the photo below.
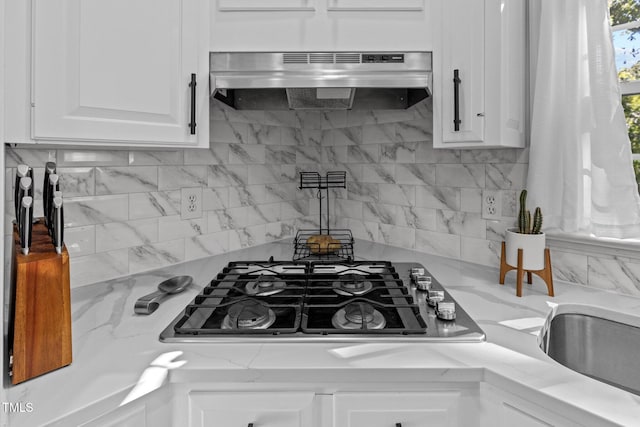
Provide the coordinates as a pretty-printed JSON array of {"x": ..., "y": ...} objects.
[{"x": 532, "y": 246}]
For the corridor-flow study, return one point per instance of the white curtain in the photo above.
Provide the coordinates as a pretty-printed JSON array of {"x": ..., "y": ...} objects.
[{"x": 580, "y": 167}]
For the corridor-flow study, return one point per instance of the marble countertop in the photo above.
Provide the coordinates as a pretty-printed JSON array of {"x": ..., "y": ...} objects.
[{"x": 112, "y": 346}]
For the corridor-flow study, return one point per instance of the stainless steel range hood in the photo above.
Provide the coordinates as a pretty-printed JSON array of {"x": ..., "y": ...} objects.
[{"x": 320, "y": 80}]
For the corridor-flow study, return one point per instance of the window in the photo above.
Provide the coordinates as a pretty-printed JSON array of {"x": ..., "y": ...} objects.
[{"x": 625, "y": 24}]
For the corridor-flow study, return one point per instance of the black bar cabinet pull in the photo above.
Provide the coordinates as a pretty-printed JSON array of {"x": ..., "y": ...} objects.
[
  {"x": 192, "y": 123},
  {"x": 456, "y": 100}
]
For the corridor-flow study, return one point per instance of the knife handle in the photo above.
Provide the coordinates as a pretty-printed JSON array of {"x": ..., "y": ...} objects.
[
  {"x": 21, "y": 172},
  {"x": 54, "y": 185},
  {"x": 26, "y": 185},
  {"x": 16, "y": 198},
  {"x": 26, "y": 218},
  {"x": 54, "y": 178},
  {"x": 29, "y": 223},
  {"x": 58, "y": 224},
  {"x": 51, "y": 213},
  {"x": 25, "y": 188},
  {"x": 61, "y": 229},
  {"x": 49, "y": 169},
  {"x": 45, "y": 200}
]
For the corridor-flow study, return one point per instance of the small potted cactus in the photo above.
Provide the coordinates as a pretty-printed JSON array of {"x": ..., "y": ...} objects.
[{"x": 528, "y": 237}]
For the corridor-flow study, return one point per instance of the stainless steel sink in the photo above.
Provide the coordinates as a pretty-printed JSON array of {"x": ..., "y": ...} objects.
[{"x": 599, "y": 343}]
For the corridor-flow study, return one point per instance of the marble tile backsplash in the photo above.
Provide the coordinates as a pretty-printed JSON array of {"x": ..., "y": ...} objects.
[
  {"x": 123, "y": 208},
  {"x": 403, "y": 192}
]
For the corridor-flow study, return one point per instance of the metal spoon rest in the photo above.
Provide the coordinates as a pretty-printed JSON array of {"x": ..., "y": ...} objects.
[{"x": 150, "y": 303}]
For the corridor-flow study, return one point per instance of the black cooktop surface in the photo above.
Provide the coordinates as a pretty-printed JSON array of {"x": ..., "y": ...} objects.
[{"x": 320, "y": 300}]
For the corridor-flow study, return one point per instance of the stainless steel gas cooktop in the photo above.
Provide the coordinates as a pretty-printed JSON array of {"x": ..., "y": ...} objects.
[{"x": 294, "y": 301}]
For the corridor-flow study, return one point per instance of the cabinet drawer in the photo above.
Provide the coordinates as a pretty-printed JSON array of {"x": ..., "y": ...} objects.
[
  {"x": 419, "y": 409},
  {"x": 281, "y": 409}
]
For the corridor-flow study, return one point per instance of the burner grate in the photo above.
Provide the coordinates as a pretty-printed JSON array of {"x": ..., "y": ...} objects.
[
  {"x": 214, "y": 317},
  {"x": 401, "y": 319},
  {"x": 212, "y": 321},
  {"x": 209, "y": 311},
  {"x": 303, "y": 297},
  {"x": 387, "y": 295},
  {"x": 266, "y": 267},
  {"x": 351, "y": 266}
]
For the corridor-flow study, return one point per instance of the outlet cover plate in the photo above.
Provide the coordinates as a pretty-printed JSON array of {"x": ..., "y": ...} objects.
[
  {"x": 191, "y": 203},
  {"x": 491, "y": 204}
]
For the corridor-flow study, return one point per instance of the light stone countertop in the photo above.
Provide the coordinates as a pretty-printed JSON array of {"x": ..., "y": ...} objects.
[{"x": 112, "y": 346}]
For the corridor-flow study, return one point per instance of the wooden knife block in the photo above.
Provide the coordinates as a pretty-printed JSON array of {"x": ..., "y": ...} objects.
[{"x": 40, "y": 323}]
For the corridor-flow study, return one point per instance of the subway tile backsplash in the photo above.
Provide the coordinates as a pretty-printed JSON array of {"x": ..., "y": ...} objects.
[{"x": 123, "y": 208}]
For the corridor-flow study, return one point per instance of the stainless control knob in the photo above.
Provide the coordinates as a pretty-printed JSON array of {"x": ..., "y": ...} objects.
[
  {"x": 415, "y": 272},
  {"x": 446, "y": 310},
  {"x": 434, "y": 297},
  {"x": 423, "y": 283}
]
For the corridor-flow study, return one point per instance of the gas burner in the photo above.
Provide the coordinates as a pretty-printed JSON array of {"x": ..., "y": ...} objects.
[
  {"x": 265, "y": 285},
  {"x": 358, "y": 315},
  {"x": 352, "y": 284},
  {"x": 248, "y": 315}
]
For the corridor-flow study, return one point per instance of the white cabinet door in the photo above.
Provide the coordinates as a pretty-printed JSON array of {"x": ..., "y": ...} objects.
[
  {"x": 407, "y": 409},
  {"x": 504, "y": 409},
  {"x": 484, "y": 40},
  {"x": 321, "y": 25},
  {"x": 229, "y": 409},
  {"x": 151, "y": 410},
  {"x": 462, "y": 55},
  {"x": 120, "y": 71},
  {"x": 265, "y": 5}
]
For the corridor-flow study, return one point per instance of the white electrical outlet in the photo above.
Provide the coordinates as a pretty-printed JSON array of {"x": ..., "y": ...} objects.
[
  {"x": 191, "y": 203},
  {"x": 491, "y": 204}
]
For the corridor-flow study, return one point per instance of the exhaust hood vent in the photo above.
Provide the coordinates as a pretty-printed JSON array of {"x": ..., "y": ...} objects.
[
  {"x": 320, "y": 80},
  {"x": 347, "y": 58},
  {"x": 321, "y": 58},
  {"x": 320, "y": 98},
  {"x": 295, "y": 58}
]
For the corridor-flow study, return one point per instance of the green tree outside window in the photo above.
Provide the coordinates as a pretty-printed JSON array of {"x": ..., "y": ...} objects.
[{"x": 625, "y": 22}]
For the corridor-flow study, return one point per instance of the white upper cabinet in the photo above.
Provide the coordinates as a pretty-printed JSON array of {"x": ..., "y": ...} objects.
[
  {"x": 119, "y": 72},
  {"x": 479, "y": 73},
  {"x": 321, "y": 25}
]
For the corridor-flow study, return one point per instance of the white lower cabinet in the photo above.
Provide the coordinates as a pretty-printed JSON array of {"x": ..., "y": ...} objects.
[
  {"x": 307, "y": 409},
  {"x": 474, "y": 404},
  {"x": 262, "y": 409},
  {"x": 397, "y": 409},
  {"x": 152, "y": 410},
  {"x": 505, "y": 409}
]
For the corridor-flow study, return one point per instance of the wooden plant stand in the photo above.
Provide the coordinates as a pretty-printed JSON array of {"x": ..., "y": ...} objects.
[{"x": 545, "y": 274}]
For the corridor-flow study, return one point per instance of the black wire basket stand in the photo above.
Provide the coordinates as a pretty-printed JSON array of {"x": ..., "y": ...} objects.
[{"x": 343, "y": 245}]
